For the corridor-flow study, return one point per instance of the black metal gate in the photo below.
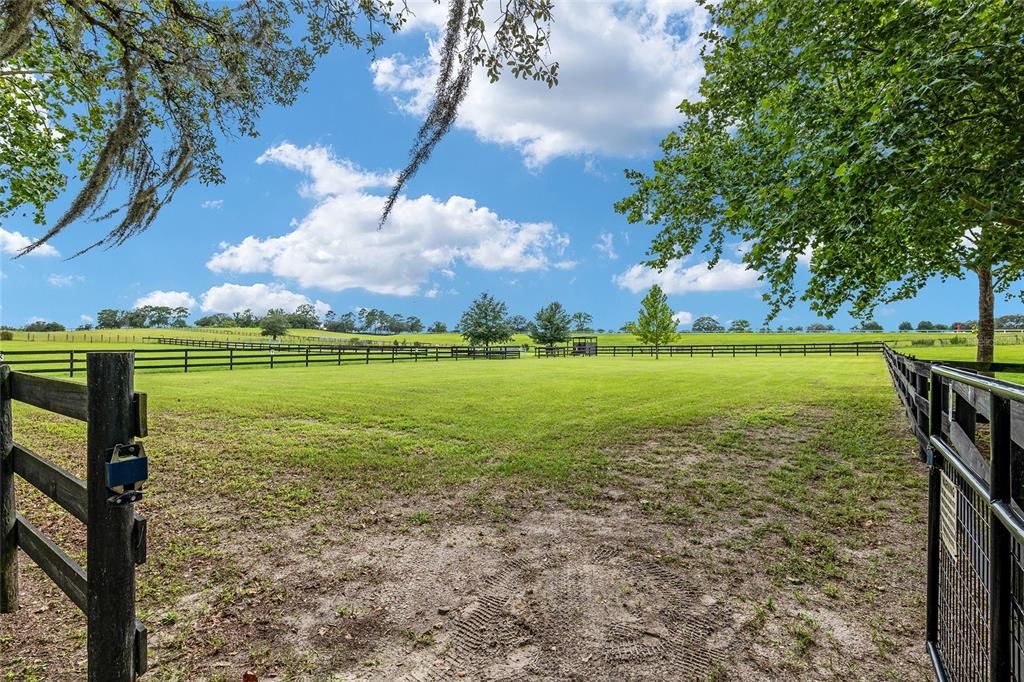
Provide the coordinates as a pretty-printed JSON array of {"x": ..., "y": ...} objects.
[{"x": 974, "y": 446}]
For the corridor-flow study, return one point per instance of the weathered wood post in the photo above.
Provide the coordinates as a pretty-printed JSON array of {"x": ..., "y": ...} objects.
[
  {"x": 110, "y": 557},
  {"x": 8, "y": 544}
]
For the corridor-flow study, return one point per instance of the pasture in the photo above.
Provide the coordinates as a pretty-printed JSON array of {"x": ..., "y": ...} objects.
[
  {"x": 136, "y": 338},
  {"x": 582, "y": 518}
]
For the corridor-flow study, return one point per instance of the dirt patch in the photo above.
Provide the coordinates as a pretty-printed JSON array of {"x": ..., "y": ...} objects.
[{"x": 750, "y": 549}]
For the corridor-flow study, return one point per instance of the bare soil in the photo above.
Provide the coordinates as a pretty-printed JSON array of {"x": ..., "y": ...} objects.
[{"x": 687, "y": 565}]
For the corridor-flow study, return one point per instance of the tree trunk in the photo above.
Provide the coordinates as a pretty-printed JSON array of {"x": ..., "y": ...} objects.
[{"x": 986, "y": 315}]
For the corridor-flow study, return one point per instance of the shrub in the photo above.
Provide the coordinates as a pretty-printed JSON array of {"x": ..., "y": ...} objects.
[
  {"x": 958, "y": 341},
  {"x": 6, "y": 335},
  {"x": 922, "y": 342}
]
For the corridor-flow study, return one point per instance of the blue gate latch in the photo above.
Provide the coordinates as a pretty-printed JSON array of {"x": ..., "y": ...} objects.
[{"x": 126, "y": 470}]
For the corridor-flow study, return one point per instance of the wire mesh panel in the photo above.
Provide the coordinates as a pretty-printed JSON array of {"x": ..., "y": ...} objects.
[
  {"x": 1017, "y": 612},
  {"x": 963, "y": 640},
  {"x": 974, "y": 445}
]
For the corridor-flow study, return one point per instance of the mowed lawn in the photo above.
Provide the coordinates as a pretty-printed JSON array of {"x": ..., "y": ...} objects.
[{"x": 747, "y": 518}]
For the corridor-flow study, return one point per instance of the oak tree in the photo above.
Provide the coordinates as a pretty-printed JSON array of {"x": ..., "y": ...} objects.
[
  {"x": 136, "y": 96},
  {"x": 885, "y": 141}
]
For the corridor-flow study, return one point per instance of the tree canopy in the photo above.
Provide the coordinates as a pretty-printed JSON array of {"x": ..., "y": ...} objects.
[
  {"x": 884, "y": 141},
  {"x": 655, "y": 325},
  {"x": 274, "y": 324},
  {"x": 706, "y": 324},
  {"x": 486, "y": 322},
  {"x": 136, "y": 96},
  {"x": 551, "y": 325}
]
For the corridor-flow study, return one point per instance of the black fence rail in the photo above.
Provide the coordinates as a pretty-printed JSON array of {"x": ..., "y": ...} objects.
[
  {"x": 72, "y": 362},
  {"x": 264, "y": 344},
  {"x": 970, "y": 428},
  {"x": 552, "y": 351},
  {"x": 115, "y": 535},
  {"x": 755, "y": 349}
]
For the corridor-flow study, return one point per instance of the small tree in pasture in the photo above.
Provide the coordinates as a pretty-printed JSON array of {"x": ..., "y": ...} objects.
[
  {"x": 486, "y": 322},
  {"x": 551, "y": 325},
  {"x": 274, "y": 324},
  {"x": 739, "y": 326},
  {"x": 655, "y": 325},
  {"x": 707, "y": 324}
]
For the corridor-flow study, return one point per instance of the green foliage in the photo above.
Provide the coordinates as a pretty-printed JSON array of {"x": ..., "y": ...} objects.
[
  {"x": 551, "y": 325},
  {"x": 222, "y": 320},
  {"x": 136, "y": 96},
  {"x": 707, "y": 324},
  {"x": 486, "y": 322},
  {"x": 145, "y": 316},
  {"x": 871, "y": 326},
  {"x": 274, "y": 324},
  {"x": 655, "y": 325},
  {"x": 925, "y": 326},
  {"x": 883, "y": 138},
  {"x": 581, "y": 322},
  {"x": 438, "y": 327},
  {"x": 44, "y": 326},
  {"x": 304, "y": 317},
  {"x": 906, "y": 326},
  {"x": 739, "y": 326}
]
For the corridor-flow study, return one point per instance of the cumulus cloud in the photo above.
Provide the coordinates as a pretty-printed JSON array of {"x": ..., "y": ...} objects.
[
  {"x": 13, "y": 242},
  {"x": 56, "y": 280},
  {"x": 623, "y": 69},
  {"x": 171, "y": 299},
  {"x": 682, "y": 317},
  {"x": 213, "y": 203},
  {"x": 606, "y": 245},
  {"x": 233, "y": 298},
  {"x": 727, "y": 275},
  {"x": 338, "y": 245},
  {"x": 86, "y": 318}
]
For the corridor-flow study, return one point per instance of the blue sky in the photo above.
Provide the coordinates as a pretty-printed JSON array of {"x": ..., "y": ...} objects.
[{"x": 516, "y": 201}]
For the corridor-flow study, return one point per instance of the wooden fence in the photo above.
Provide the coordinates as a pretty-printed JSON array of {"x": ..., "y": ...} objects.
[
  {"x": 116, "y": 536},
  {"x": 755, "y": 349},
  {"x": 970, "y": 429},
  {"x": 72, "y": 362}
]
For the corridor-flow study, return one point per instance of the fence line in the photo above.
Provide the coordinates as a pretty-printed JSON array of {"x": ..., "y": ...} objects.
[
  {"x": 970, "y": 431},
  {"x": 115, "y": 535},
  {"x": 186, "y": 359},
  {"x": 755, "y": 349}
]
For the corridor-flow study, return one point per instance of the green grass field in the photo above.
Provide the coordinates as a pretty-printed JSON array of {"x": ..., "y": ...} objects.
[
  {"x": 135, "y": 337},
  {"x": 325, "y": 522}
]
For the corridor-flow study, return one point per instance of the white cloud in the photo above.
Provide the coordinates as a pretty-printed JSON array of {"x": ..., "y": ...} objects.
[
  {"x": 432, "y": 292},
  {"x": 623, "y": 69},
  {"x": 171, "y": 299},
  {"x": 338, "y": 244},
  {"x": 86, "y": 318},
  {"x": 677, "y": 278},
  {"x": 682, "y": 317},
  {"x": 56, "y": 280},
  {"x": 606, "y": 245},
  {"x": 233, "y": 298},
  {"x": 213, "y": 203},
  {"x": 13, "y": 242}
]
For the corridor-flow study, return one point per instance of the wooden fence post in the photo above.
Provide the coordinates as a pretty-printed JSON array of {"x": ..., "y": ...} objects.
[
  {"x": 110, "y": 556},
  {"x": 71, "y": 363},
  {"x": 8, "y": 544}
]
